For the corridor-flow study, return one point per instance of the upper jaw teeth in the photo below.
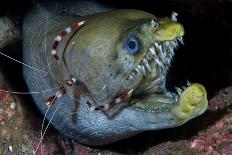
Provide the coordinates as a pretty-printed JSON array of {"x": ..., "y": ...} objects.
[
  {"x": 143, "y": 70},
  {"x": 181, "y": 40},
  {"x": 147, "y": 64},
  {"x": 160, "y": 53}
]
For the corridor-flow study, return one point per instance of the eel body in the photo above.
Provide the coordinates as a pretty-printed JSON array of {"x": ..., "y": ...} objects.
[{"x": 112, "y": 53}]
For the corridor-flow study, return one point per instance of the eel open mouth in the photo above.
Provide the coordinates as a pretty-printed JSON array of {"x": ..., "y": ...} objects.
[
  {"x": 144, "y": 55},
  {"x": 151, "y": 95}
]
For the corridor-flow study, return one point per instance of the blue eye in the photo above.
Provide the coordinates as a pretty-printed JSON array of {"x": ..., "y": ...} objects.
[{"x": 132, "y": 44}]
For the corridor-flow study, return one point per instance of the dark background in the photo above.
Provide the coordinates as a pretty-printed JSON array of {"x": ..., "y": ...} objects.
[{"x": 205, "y": 58}]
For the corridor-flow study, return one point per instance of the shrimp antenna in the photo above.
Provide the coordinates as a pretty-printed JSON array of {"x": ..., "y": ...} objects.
[
  {"x": 25, "y": 93},
  {"x": 29, "y": 66}
]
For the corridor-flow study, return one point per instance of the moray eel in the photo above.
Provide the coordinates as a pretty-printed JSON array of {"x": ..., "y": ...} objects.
[{"x": 113, "y": 52}]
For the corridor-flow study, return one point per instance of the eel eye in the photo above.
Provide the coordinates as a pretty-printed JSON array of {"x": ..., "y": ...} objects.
[{"x": 132, "y": 44}]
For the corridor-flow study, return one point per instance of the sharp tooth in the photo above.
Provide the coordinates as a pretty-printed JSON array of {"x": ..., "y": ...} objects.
[
  {"x": 168, "y": 61},
  {"x": 183, "y": 87},
  {"x": 172, "y": 44},
  {"x": 157, "y": 61},
  {"x": 131, "y": 77},
  {"x": 178, "y": 90},
  {"x": 176, "y": 44},
  {"x": 169, "y": 94},
  {"x": 175, "y": 96},
  {"x": 143, "y": 70},
  {"x": 152, "y": 50},
  {"x": 147, "y": 64},
  {"x": 130, "y": 92},
  {"x": 181, "y": 40},
  {"x": 171, "y": 51},
  {"x": 160, "y": 48},
  {"x": 149, "y": 56},
  {"x": 137, "y": 70},
  {"x": 156, "y": 45},
  {"x": 163, "y": 54},
  {"x": 188, "y": 83},
  {"x": 133, "y": 74},
  {"x": 167, "y": 43}
]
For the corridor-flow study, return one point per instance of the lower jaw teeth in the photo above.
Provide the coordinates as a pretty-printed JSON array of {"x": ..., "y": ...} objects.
[
  {"x": 155, "y": 103},
  {"x": 173, "y": 95},
  {"x": 179, "y": 91}
]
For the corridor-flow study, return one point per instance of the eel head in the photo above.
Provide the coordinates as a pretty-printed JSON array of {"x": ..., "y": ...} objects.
[{"x": 131, "y": 50}]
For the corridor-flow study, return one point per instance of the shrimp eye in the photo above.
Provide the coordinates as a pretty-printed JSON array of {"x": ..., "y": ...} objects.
[{"x": 132, "y": 44}]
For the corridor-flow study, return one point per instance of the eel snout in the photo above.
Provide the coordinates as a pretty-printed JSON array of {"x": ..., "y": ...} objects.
[
  {"x": 151, "y": 95},
  {"x": 192, "y": 102}
]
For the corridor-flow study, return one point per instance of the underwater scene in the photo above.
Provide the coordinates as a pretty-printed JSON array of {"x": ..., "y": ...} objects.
[{"x": 98, "y": 77}]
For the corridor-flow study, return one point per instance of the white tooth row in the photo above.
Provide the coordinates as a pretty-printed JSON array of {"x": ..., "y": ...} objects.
[
  {"x": 179, "y": 91},
  {"x": 158, "y": 52}
]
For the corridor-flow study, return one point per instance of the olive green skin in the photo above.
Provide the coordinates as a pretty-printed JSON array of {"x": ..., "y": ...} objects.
[{"x": 95, "y": 55}]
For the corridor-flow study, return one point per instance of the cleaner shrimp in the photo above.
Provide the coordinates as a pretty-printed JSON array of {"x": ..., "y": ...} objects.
[{"x": 71, "y": 83}]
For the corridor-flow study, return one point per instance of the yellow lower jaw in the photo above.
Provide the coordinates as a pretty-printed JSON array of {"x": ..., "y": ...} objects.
[{"x": 192, "y": 103}]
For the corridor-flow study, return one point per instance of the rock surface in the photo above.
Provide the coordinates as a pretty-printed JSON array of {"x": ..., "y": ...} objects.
[
  {"x": 20, "y": 134},
  {"x": 9, "y": 32}
]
